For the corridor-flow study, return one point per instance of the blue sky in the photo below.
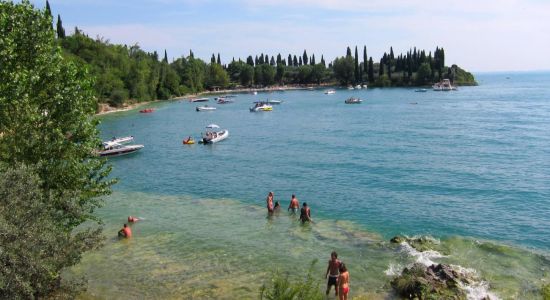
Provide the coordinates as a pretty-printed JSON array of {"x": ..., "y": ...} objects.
[{"x": 481, "y": 35}]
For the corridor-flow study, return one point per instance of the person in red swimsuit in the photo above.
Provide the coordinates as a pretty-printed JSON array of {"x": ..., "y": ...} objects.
[
  {"x": 343, "y": 282},
  {"x": 132, "y": 219},
  {"x": 125, "y": 231},
  {"x": 269, "y": 202}
]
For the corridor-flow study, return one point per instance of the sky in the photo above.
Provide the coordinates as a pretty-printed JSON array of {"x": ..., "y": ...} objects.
[{"x": 479, "y": 36}]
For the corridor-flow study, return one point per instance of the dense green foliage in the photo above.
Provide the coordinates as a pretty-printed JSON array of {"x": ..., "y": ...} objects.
[
  {"x": 546, "y": 292},
  {"x": 282, "y": 287},
  {"x": 46, "y": 122}
]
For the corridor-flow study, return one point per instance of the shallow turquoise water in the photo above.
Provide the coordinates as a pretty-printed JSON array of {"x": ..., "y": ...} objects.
[
  {"x": 471, "y": 163},
  {"x": 470, "y": 168}
]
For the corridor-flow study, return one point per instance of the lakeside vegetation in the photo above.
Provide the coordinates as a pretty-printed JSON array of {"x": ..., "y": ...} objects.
[{"x": 128, "y": 74}]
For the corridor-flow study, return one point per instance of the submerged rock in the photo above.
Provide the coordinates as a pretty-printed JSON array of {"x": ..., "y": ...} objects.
[
  {"x": 423, "y": 243},
  {"x": 433, "y": 282}
]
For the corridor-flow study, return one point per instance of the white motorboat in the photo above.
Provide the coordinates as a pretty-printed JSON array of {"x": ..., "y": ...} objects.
[
  {"x": 115, "y": 149},
  {"x": 444, "y": 85},
  {"x": 199, "y": 99},
  {"x": 210, "y": 137},
  {"x": 358, "y": 87},
  {"x": 330, "y": 92},
  {"x": 350, "y": 87},
  {"x": 205, "y": 108},
  {"x": 261, "y": 106},
  {"x": 269, "y": 102},
  {"x": 120, "y": 140},
  {"x": 365, "y": 86},
  {"x": 222, "y": 100},
  {"x": 353, "y": 100}
]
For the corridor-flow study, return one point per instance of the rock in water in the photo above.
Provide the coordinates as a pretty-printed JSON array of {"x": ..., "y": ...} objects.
[{"x": 434, "y": 282}]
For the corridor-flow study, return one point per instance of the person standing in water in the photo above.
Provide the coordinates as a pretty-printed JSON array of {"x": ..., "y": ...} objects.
[
  {"x": 343, "y": 282},
  {"x": 305, "y": 214},
  {"x": 269, "y": 202},
  {"x": 294, "y": 205},
  {"x": 333, "y": 272}
]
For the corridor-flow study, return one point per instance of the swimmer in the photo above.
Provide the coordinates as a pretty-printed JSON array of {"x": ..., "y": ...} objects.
[
  {"x": 125, "y": 232},
  {"x": 277, "y": 206},
  {"x": 305, "y": 214},
  {"x": 132, "y": 219},
  {"x": 333, "y": 272},
  {"x": 343, "y": 282},
  {"x": 294, "y": 205}
]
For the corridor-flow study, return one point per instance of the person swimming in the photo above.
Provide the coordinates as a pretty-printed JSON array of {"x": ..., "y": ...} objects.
[
  {"x": 132, "y": 219},
  {"x": 125, "y": 232},
  {"x": 305, "y": 213},
  {"x": 277, "y": 206},
  {"x": 294, "y": 205}
]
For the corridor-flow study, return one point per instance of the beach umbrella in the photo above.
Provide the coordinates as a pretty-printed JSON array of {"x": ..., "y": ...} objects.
[{"x": 212, "y": 126}]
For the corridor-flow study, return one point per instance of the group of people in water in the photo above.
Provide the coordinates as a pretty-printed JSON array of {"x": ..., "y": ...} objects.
[
  {"x": 337, "y": 273},
  {"x": 293, "y": 207},
  {"x": 126, "y": 231}
]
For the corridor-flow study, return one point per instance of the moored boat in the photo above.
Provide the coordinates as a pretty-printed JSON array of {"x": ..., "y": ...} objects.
[
  {"x": 147, "y": 110},
  {"x": 330, "y": 92},
  {"x": 205, "y": 108},
  {"x": 353, "y": 100},
  {"x": 199, "y": 99},
  {"x": 210, "y": 137},
  {"x": 261, "y": 106},
  {"x": 225, "y": 100},
  {"x": 444, "y": 85},
  {"x": 120, "y": 140},
  {"x": 115, "y": 149}
]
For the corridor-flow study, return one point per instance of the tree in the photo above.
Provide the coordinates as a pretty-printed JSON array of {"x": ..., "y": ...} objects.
[
  {"x": 305, "y": 58},
  {"x": 424, "y": 74},
  {"x": 219, "y": 61},
  {"x": 371, "y": 70},
  {"x": 343, "y": 69},
  {"x": 60, "y": 29},
  {"x": 217, "y": 76},
  {"x": 356, "y": 66},
  {"x": 46, "y": 122},
  {"x": 247, "y": 75},
  {"x": 165, "y": 59}
]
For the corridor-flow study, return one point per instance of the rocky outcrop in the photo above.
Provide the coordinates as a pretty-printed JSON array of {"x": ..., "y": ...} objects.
[
  {"x": 421, "y": 244},
  {"x": 433, "y": 282}
]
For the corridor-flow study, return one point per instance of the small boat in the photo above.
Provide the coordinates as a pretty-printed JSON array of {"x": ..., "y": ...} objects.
[
  {"x": 330, "y": 92},
  {"x": 115, "y": 149},
  {"x": 421, "y": 90},
  {"x": 350, "y": 87},
  {"x": 353, "y": 100},
  {"x": 147, "y": 110},
  {"x": 204, "y": 108},
  {"x": 269, "y": 102},
  {"x": 261, "y": 106},
  {"x": 358, "y": 87},
  {"x": 210, "y": 137},
  {"x": 444, "y": 85},
  {"x": 254, "y": 93},
  {"x": 188, "y": 141},
  {"x": 365, "y": 86},
  {"x": 198, "y": 99},
  {"x": 225, "y": 100},
  {"x": 120, "y": 140}
]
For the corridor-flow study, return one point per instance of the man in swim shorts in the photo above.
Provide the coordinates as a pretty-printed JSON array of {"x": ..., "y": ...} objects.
[
  {"x": 333, "y": 272},
  {"x": 294, "y": 205}
]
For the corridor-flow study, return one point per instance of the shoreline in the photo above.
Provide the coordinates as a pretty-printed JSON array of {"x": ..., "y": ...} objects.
[{"x": 107, "y": 109}]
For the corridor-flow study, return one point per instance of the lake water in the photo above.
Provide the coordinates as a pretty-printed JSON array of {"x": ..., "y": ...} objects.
[{"x": 470, "y": 168}]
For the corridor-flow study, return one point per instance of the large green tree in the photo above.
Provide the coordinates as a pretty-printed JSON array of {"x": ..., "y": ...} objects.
[
  {"x": 343, "y": 68},
  {"x": 46, "y": 121}
]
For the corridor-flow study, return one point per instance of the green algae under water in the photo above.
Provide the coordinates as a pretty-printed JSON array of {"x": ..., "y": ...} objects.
[{"x": 223, "y": 249}]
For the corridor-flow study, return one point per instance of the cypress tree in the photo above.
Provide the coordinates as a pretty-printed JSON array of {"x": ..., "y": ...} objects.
[
  {"x": 300, "y": 62},
  {"x": 348, "y": 52},
  {"x": 219, "y": 60},
  {"x": 391, "y": 53},
  {"x": 304, "y": 58},
  {"x": 261, "y": 59},
  {"x": 365, "y": 63},
  {"x": 48, "y": 9},
  {"x": 272, "y": 61},
  {"x": 289, "y": 60},
  {"x": 295, "y": 61},
  {"x": 381, "y": 67},
  {"x": 371, "y": 70},
  {"x": 165, "y": 56},
  {"x": 60, "y": 29},
  {"x": 191, "y": 55},
  {"x": 312, "y": 59},
  {"x": 356, "y": 66},
  {"x": 323, "y": 61},
  {"x": 250, "y": 61},
  {"x": 213, "y": 59},
  {"x": 279, "y": 59}
]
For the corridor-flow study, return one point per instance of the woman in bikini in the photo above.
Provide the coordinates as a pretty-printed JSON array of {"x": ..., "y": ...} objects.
[
  {"x": 269, "y": 202},
  {"x": 343, "y": 282}
]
